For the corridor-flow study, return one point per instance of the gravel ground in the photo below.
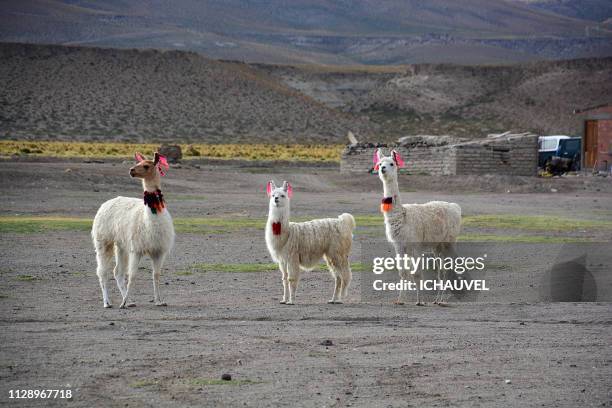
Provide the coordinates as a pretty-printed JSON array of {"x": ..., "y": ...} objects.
[{"x": 55, "y": 333}]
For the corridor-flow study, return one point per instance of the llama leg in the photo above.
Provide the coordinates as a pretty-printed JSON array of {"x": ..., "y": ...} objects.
[
  {"x": 347, "y": 276},
  {"x": 121, "y": 259},
  {"x": 448, "y": 250},
  {"x": 133, "y": 261},
  {"x": 293, "y": 276},
  {"x": 104, "y": 257},
  {"x": 157, "y": 262},
  {"x": 283, "y": 268},
  {"x": 403, "y": 274},
  {"x": 334, "y": 271},
  {"x": 417, "y": 277},
  {"x": 437, "y": 298},
  {"x": 337, "y": 296}
]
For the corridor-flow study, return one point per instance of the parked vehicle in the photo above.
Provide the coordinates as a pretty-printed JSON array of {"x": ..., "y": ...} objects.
[
  {"x": 566, "y": 157},
  {"x": 547, "y": 148}
]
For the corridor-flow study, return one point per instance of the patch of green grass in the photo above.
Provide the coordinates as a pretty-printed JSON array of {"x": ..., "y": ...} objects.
[
  {"x": 2, "y": 296},
  {"x": 533, "y": 222},
  {"x": 216, "y": 381},
  {"x": 144, "y": 383},
  {"x": 27, "y": 278},
  {"x": 216, "y": 225},
  {"x": 184, "y": 197},
  {"x": 195, "y": 225},
  {"x": 79, "y": 274},
  {"x": 250, "y": 267},
  {"x": 317, "y": 354},
  {"x": 243, "y": 267},
  {"x": 535, "y": 239},
  {"x": 184, "y": 273},
  {"x": 37, "y": 225}
]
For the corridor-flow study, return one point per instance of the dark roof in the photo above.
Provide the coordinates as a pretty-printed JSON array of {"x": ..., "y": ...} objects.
[{"x": 590, "y": 108}]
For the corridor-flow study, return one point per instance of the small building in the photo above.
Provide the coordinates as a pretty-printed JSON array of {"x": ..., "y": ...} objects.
[
  {"x": 506, "y": 153},
  {"x": 596, "y": 137}
]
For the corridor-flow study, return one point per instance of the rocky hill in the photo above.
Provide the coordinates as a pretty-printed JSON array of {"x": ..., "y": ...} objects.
[
  {"x": 146, "y": 95},
  {"x": 460, "y": 100},
  {"x": 110, "y": 94}
]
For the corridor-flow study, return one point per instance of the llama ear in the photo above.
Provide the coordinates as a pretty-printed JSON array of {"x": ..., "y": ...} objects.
[
  {"x": 162, "y": 163},
  {"x": 139, "y": 157},
  {"x": 156, "y": 158},
  {"x": 287, "y": 187},
  {"x": 397, "y": 158},
  {"x": 269, "y": 187},
  {"x": 377, "y": 156},
  {"x": 376, "y": 159}
]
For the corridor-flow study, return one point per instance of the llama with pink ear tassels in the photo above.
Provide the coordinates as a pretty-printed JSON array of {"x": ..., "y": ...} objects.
[
  {"x": 130, "y": 228},
  {"x": 302, "y": 245},
  {"x": 414, "y": 229}
]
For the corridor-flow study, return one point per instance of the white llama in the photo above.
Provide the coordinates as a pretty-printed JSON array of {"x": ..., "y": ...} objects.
[
  {"x": 301, "y": 245},
  {"x": 414, "y": 229},
  {"x": 131, "y": 228}
]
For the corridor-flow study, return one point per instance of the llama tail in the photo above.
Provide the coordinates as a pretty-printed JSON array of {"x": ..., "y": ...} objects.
[{"x": 347, "y": 223}]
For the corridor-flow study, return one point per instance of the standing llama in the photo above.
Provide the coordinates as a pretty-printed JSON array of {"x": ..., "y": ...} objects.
[
  {"x": 414, "y": 229},
  {"x": 130, "y": 228},
  {"x": 301, "y": 245}
]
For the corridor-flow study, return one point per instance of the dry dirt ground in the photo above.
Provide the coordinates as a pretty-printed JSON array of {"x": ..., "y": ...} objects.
[{"x": 55, "y": 333}]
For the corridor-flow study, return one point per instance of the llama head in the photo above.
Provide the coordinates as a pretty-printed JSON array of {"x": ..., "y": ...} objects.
[
  {"x": 279, "y": 196},
  {"x": 387, "y": 166},
  {"x": 148, "y": 169}
]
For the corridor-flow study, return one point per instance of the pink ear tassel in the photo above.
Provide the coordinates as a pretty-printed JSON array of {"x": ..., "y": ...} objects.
[
  {"x": 375, "y": 158},
  {"x": 398, "y": 159},
  {"x": 269, "y": 188},
  {"x": 289, "y": 190},
  {"x": 162, "y": 164},
  {"x": 138, "y": 157}
]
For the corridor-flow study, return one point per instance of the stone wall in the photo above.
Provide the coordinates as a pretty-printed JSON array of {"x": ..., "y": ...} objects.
[
  {"x": 435, "y": 161},
  {"x": 502, "y": 154},
  {"x": 515, "y": 156}
]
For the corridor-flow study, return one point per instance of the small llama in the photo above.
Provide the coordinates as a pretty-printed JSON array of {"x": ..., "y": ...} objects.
[
  {"x": 301, "y": 245},
  {"x": 415, "y": 229},
  {"x": 130, "y": 228}
]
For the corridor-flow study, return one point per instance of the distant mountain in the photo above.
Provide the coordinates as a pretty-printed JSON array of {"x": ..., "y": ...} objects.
[
  {"x": 594, "y": 10},
  {"x": 323, "y": 31}
]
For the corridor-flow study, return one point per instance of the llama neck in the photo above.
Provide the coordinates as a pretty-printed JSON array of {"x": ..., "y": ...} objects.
[
  {"x": 153, "y": 197},
  {"x": 277, "y": 214},
  {"x": 152, "y": 184},
  {"x": 391, "y": 189}
]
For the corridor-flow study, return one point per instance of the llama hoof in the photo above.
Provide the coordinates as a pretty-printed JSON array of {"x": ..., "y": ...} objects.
[
  {"x": 334, "y": 302},
  {"x": 399, "y": 303},
  {"x": 420, "y": 304},
  {"x": 131, "y": 305},
  {"x": 108, "y": 306},
  {"x": 290, "y": 303},
  {"x": 282, "y": 302},
  {"x": 160, "y": 304}
]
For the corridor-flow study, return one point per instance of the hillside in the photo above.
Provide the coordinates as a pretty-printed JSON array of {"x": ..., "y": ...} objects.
[
  {"x": 109, "y": 94},
  {"x": 324, "y": 31},
  {"x": 80, "y": 93},
  {"x": 461, "y": 100}
]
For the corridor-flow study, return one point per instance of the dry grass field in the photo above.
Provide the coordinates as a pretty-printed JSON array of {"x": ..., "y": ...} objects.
[{"x": 278, "y": 152}]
